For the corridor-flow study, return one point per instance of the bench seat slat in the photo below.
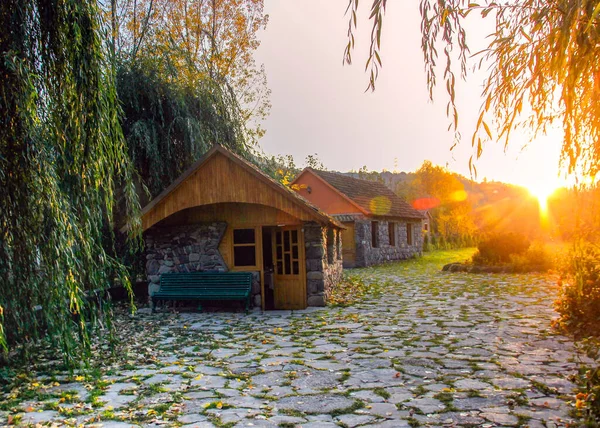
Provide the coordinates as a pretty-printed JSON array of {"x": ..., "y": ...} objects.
[{"x": 205, "y": 286}]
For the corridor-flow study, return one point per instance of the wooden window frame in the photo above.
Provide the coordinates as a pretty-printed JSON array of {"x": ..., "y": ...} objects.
[
  {"x": 392, "y": 233},
  {"x": 374, "y": 234},
  {"x": 290, "y": 252},
  {"x": 409, "y": 234},
  {"x": 234, "y": 246}
]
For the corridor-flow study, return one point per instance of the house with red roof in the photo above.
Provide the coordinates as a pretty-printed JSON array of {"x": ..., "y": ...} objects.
[{"x": 380, "y": 226}]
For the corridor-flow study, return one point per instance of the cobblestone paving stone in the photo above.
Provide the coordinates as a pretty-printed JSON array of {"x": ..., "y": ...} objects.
[{"x": 429, "y": 349}]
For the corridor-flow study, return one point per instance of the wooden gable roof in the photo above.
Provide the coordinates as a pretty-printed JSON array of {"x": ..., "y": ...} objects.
[
  {"x": 372, "y": 197},
  {"x": 221, "y": 176}
]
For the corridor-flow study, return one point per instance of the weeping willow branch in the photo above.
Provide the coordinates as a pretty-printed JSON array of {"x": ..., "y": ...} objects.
[
  {"x": 62, "y": 154},
  {"x": 541, "y": 63},
  {"x": 169, "y": 124}
]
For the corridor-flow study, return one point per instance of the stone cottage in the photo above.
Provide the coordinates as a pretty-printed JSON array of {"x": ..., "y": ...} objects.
[
  {"x": 380, "y": 226},
  {"x": 224, "y": 214}
]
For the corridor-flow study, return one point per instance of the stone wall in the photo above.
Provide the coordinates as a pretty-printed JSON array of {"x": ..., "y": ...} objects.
[
  {"x": 323, "y": 261},
  {"x": 366, "y": 255},
  {"x": 187, "y": 248}
]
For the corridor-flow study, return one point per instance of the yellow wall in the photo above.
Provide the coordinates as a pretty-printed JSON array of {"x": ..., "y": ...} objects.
[
  {"x": 224, "y": 180},
  {"x": 236, "y": 216}
]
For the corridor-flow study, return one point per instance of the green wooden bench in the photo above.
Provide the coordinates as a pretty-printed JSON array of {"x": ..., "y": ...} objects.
[{"x": 204, "y": 286}]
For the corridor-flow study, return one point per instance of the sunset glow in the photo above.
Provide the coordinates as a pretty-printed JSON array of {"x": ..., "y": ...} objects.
[{"x": 542, "y": 192}]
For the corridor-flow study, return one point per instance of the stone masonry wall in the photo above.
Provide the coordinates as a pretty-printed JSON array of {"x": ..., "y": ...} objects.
[
  {"x": 334, "y": 269},
  {"x": 366, "y": 255},
  {"x": 187, "y": 248},
  {"x": 321, "y": 271}
]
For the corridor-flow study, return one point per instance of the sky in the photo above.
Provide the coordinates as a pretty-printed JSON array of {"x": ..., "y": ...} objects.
[{"x": 320, "y": 105}]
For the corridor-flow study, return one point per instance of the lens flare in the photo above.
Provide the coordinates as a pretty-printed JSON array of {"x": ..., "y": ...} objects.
[
  {"x": 380, "y": 205},
  {"x": 458, "y": 196},
  {"x": 425, "y": 203}
]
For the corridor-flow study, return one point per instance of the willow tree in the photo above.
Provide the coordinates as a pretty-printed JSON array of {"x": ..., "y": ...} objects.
[
  {"x": 541, "y": 63},
  {"x": 187, "y": 79},
  {"x": 169, "y": 124},
  {"x": 62, "y": 154}
]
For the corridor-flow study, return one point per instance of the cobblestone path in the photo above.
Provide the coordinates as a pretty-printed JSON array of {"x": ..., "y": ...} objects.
[{"x": 430, "y": 348}]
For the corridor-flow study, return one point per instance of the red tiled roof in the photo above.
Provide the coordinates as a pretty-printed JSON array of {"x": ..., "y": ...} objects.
[{"x": 372, "y": 196}]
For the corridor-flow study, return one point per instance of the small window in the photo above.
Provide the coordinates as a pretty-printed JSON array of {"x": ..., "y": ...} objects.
[
  {"x": 425, "y": 227},
  {"x": 244, "y": 247},
  {"x": 375, "y": 234},
  {"x": 392, "y": 233},
  {"x": 409, "y": 233}
]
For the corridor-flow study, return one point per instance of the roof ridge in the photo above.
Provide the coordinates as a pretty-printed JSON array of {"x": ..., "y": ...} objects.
[
  {"x": 217, "y": 148},
  {"x": 375, "y": 197}
]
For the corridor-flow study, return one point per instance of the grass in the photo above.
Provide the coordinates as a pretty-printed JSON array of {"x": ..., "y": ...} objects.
[
  {"x": 473, "y": 393},
  {"x": 522, "y": 420},
  {"x": 357, "y": 405},
  {"x": 444, "y": 397},
  {"x": 345, "y": 375},
  {"x": 382, "y": 393},
  {"x": 162, "y": 408},
  {"x": 420, "y": 390},
  {"x": 543, "y": 388},
  {"x": 413, "y": 422},
  {"x": 519, "y": 398},
  {"x": 291, "y": 412}
]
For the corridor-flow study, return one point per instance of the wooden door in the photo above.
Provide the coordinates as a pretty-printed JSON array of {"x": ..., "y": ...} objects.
[
  {"x": 348, "y": 245},
  {"x": 289, "y": 278}
]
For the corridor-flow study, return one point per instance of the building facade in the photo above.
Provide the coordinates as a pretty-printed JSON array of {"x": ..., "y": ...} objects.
[
  {"x": 379, "y": 225},
  {"x": 224, "y": 214}
]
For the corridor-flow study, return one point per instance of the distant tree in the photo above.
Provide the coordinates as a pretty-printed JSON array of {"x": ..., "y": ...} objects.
[
  {"x": 541, "y": 63},
  {"x": 313, "y": 161},
  {"x": 62, "y": 155},
  {"x": 445, "y": 197},
  {"x": 576, "y": 212},
  {"x": 199, "y": 41},
  {"x": 187, "y": 80},
  {"x": 364, "y": 174}
]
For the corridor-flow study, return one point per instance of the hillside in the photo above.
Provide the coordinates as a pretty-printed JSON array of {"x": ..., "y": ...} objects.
[{"x": 493, "y": 205}]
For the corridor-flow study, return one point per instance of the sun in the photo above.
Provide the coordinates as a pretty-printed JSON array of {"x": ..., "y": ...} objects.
[{"x": 542, "y": 191}]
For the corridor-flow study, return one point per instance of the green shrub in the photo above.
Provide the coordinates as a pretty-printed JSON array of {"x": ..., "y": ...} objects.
[
  {"x": 498, "y": 248},
  {"x": 434, "y": 243},
  {"x": 442, "y": 245},
  {"x": 579, "y": 296},
  {"x": 426, "y": 245},
  {"x": 578, "y": 304},
  {"x": 536, "y": 256},
  {"x": 587, "y": 400}
]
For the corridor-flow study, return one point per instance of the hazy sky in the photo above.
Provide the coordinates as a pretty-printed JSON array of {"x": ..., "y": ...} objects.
[{"x": 320, "y": 105}]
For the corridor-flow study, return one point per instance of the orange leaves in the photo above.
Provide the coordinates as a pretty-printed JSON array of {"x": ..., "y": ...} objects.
[
  {"x": 581, "y": 401},
  {"x": 199, "y": 39},
  {"x": 348, "y": 291}
]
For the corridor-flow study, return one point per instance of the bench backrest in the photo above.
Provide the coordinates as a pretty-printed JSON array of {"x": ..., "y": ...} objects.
[{"x": 206, "y": 280}]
